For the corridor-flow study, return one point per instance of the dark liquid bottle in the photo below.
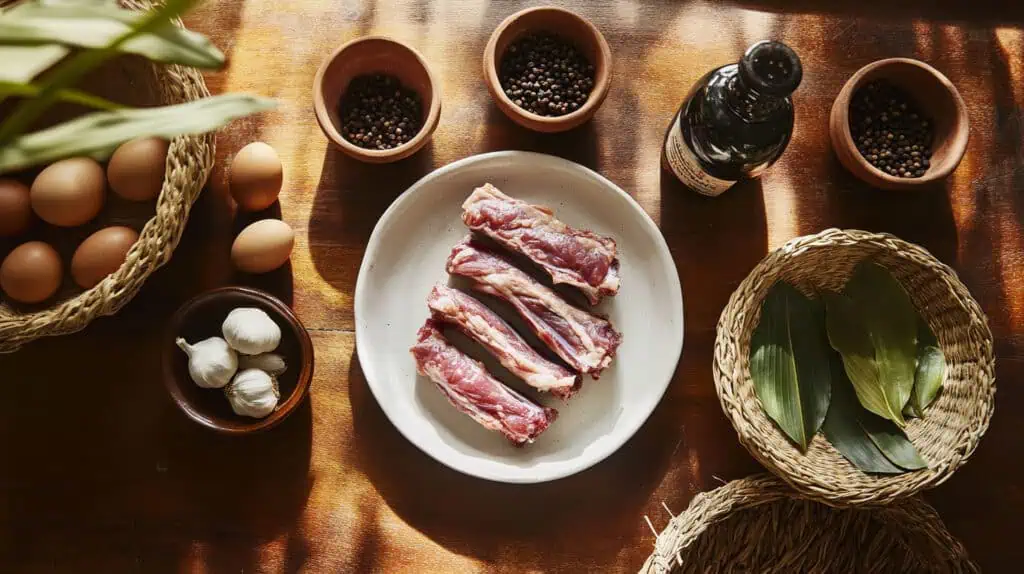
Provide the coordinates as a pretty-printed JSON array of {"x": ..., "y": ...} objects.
[{"x": 736, "y": 121}]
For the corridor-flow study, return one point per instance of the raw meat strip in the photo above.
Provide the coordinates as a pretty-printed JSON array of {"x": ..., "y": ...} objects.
[
  {"x": 494, "y": 334},
  {"x": 585, "y": 341},
  {"x": 472, "y": 390},
  {"x": 572, "y": 256}
]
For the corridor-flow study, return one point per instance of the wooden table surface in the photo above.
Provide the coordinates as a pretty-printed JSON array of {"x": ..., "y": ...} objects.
[{"x": 100, "y": 473}]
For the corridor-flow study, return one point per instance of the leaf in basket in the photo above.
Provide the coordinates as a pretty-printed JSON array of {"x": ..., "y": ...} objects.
[
  {"x": 931, "y": 370},
  {"x": 789, "y": 362},
  {"x": 891, "y": 440},
  {"x": 97, "y": 25},
  {"x": 843, "y": 428},
  {"x": 848, "y": 335},
  {"x": 98, "y": 133},
  {"x": 891, "y": 321}
]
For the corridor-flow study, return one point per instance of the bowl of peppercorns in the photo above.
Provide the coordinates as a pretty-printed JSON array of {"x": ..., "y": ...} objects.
[
  {"x": 376, "y": 99},
  {"x": 548, "y": 69},
  {"x": 899, "y": 124}
]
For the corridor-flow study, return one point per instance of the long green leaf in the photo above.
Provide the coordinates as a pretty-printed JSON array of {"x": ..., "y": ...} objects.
[
  {"x": 891, "y": 320},
  {"x": 74, "y": 68},
  {"x": 22, "y": 63},
  {"x": 848, "y": 335},
  {"x": 843, "y": 429},
  {"x": 789, "y": 362},
  {"x": 931, "y": 370},
  {"x": 889, "y": 439},
  {"x": 28, "y": 90},
  {"x": 98, "y": 133},
  {"x": 97, "y": 25}
]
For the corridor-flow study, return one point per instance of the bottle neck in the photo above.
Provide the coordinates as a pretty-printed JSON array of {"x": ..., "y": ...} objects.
[{"x": 748, "y": 103}]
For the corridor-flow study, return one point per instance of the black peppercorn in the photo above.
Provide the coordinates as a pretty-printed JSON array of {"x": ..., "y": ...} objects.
[
  {"x": 377, "y": 112},
  {"x": 546, "y": 75},
  {"x": 889, "y": 129}
]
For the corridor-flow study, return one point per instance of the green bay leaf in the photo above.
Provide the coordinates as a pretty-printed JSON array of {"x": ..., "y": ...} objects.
[
  {"x": 848, "y": 335},
  {"x": 891, "y": 441},
  {"x": 789, "y": 363},
  {"x": 890, "y": 319},
  {"x": 843, "y": 428},
  {"x": 928, "y": 378}
]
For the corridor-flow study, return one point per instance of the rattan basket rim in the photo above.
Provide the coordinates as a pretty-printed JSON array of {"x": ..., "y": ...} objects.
[
  {"x": 836, "y": 482},
  {"x": 714, "y": 506}
]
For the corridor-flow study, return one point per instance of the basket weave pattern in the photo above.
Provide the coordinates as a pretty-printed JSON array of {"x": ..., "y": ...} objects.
[
  {"x": 760, "y": 524},
  {"x": 953, "y": 425},
  {"x": 189, "y": 161}
]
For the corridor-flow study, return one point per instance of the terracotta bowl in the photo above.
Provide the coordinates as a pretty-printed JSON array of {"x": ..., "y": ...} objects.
[
  {"x": 201, "y": 318},
  {"x": 579, "y": 31},
  {"x": 374, "y": 55},
  {"x": 937, "y": 97}
]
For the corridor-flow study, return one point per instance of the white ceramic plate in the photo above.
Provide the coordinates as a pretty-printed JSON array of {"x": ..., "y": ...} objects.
[{"x": 406, "y": 256}]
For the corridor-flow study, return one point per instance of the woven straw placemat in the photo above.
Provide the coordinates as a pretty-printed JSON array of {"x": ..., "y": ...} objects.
[
  {"x": 760, "y": 525},
  {"x": 189, "y": 161},
  {"x": 952, "y": 426}
]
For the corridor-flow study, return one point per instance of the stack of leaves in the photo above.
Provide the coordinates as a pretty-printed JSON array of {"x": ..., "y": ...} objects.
[
  {"x": 854, "y": 364},
  {"x": 70, "y": 38}
]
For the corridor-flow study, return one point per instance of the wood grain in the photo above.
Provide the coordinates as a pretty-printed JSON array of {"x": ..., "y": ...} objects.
[{"x": 99, "y": 472}]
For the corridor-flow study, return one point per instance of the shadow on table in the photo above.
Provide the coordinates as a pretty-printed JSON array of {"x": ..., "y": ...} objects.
[
  {"x": 518, "y": 526},
  {"x": 580, "y": 145},
  {"x": 350, "y": 198},
  {"x": 978, "y": 11}
]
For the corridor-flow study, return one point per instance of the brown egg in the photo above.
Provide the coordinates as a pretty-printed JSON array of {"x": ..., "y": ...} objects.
[
  {"x": 263, "y": 246},
  {"x": 136, "y": 170},
  {"x": 256, "y": 176},
  {"x": 31, "y": 273},
  {"x": 15, "y": 208},
  {"x": 101, "y": 254},
  {"x": 69, "y": 192}
]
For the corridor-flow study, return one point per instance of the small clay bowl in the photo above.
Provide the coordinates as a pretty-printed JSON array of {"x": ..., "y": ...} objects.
[
  {"x": 201, "y": 318},
  {"x": 374, "y": 55},
  {"x": 937, "y": 97},
  {"x": 578, "y": 30}
]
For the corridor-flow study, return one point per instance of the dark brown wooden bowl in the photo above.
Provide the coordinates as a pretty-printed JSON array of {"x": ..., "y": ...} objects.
[
  {"x": 202, "y": 317},
  {"x": 578, "y": 30},
  {"x": 938, "y": 98},
  {"x": 375, "y": 55}
]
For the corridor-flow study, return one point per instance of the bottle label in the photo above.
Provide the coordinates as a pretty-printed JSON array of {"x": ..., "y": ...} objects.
[{"x": 686, "y": 167}]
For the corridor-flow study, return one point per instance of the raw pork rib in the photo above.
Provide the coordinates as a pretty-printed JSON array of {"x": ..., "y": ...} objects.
[
  {"x": 572, "y": 256},
  {"x": 472, "y": 390},
  {"x": 586, "y": 342},
  {"x": 494, "y": 334}
]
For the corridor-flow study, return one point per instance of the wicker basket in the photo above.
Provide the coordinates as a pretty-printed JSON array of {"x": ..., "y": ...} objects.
[
  {"x": 953, "y": 425},
  {"x": 189, "y": 161},
  {"x": 761, "y": 525}
]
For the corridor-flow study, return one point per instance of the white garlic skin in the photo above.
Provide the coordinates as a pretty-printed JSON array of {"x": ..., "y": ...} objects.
[
  {"x": 251, "y": 331},
  {"x": 211, "y": 362},
  {"x": 253, "y": 393},
  {"x": 270, "y": 363}
]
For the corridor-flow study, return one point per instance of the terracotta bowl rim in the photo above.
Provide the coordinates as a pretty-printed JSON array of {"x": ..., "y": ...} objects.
[
  {"x": 376, "y": 156},
  {"x": 960, "y": 128},
  {"x": 244, "y": 425},
  {"x": 602, "y": 82}
]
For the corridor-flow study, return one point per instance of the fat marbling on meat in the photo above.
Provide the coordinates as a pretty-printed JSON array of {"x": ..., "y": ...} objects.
[
  {"x": 576, "y": 257},
  {"x": 470, "y": 388}
]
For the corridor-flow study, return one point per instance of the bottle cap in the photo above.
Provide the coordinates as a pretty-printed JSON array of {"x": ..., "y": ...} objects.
[{"x": 771, "y": 68}]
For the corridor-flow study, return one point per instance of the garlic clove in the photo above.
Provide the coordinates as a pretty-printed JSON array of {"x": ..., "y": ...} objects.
[
  {"x": 251, "y": 331},
  {"x": 253, "y": 393},
  {"x": 270, "y": 363},
  {"x": 211, "y": 362}
]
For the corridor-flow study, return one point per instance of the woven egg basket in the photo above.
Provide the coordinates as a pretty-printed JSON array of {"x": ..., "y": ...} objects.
[
  {"x": 952, "y": 426},
  {"x": 759, "y": 524},
  {"x": 189, "y": 161}
]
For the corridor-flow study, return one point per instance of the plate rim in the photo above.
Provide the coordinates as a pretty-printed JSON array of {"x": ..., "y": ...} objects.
[{"x": 372, "y": 246}]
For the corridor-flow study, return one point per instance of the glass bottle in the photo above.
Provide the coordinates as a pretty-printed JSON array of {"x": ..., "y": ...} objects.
[{"x": 736, "y": 121}]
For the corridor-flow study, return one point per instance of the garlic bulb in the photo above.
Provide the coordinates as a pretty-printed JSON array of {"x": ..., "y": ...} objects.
[
  {"x": 270, "y": 363},
  {"x": 211, "y": 362},
  {"x": 253, "y": 393},
  {"x": 251, "y": 331}
]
